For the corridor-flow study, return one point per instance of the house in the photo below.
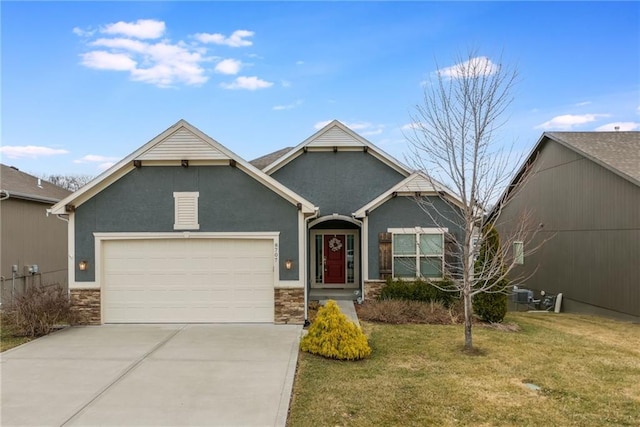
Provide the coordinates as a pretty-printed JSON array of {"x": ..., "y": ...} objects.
[
  {"x": 184, "y": 230},
  {"x": 584, "y": 191},
  {"x": 33, "y": 245}
]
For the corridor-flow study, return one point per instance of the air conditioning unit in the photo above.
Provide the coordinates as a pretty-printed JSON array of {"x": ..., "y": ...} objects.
[{"x": 522, "y": 296}]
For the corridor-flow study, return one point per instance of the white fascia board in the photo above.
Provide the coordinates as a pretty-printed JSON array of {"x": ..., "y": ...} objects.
[
  {"x": 126, "y": 165},
  {"x": 101, "y": 182},
  {"x": 384, "y": 197},
  {"x": 375, "y": 151},
  {"x": 186, "y": 235},
  {"x": 277, "y": 187},
  {"x": 113, "y": 173}
]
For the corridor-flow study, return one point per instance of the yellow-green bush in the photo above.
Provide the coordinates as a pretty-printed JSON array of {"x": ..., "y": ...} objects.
[{"x": 334, "y": 336}]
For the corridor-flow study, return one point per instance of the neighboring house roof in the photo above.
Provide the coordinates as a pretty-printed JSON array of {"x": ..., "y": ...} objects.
[
  {"x": 617, "y": 151},
  {"x": 20, "y": 185},
  {"x": 267, "y": 159},
  {"x": 336, "y": 135},
  {"x": 182, "y": 141},
  {"x": 417, "y": 182}
]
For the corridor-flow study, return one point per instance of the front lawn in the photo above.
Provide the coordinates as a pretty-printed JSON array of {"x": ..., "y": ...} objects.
[{"x": 587, "y": 368}]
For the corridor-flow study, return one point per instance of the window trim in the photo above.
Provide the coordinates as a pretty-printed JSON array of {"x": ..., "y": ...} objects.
[
  {"x": 518, "y": 252},
  {"x": 417, "y": 231},
  {"x": 179, "y": 223}
]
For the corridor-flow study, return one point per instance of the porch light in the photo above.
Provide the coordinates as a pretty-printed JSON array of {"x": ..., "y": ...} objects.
[
  {"x": 83, "y": 265},
  {"x": 288, "y": 264}
]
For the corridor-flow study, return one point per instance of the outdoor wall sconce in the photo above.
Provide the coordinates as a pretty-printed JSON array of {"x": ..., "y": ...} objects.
[
  {"x": 288, "y": 264},
  {"x": 184, "y": 163},
  {"x": 83, "y": 265}
]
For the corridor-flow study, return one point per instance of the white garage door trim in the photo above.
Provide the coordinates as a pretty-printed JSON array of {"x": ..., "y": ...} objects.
[{"x": 103, "y": 238}]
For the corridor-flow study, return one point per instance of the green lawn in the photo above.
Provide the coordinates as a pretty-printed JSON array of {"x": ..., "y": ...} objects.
[
  {"x": 588, "y": 369},
  {"x": 8, "y": 340}
]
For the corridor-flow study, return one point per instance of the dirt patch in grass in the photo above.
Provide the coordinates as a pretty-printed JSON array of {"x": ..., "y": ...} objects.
[{"x": 587, "y": 370}]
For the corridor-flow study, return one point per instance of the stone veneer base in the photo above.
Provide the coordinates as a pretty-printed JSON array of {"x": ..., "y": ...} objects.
[
  {"x": 289, "y": 306},
  {"x": 372, "y": 289},
  {"x": 85, "y": 306}
]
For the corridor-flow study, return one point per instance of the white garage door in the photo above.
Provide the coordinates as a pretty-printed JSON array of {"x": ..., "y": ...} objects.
[{"x": 187, "y": 280}]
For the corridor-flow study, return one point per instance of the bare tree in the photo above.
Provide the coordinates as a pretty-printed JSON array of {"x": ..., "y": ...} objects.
[
  {"x": 453, "y": 143},
  {"x": 69, "y": 182}
]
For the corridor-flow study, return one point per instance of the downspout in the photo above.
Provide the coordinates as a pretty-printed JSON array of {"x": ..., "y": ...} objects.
[
  {"x": 306, "y": 273},
  {"x": 360, "y": 299}
]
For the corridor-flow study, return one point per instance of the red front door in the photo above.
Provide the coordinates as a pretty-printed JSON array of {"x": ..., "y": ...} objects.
[{"x": 334, "y": 258}]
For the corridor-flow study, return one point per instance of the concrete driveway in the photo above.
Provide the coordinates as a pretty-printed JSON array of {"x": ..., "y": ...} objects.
[{"x": 152, "y": 375}]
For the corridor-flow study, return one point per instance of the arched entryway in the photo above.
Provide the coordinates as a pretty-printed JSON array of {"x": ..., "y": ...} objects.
[{"x": 335, "y": 255}]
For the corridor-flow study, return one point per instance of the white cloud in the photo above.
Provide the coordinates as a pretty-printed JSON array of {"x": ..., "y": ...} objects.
[
  {"x": 104, "y": 166},
  {"x": 83, "y": 33},
  {"x": 474, "y": 67},
  {"x": 622, "y": 126},
  {"x": 568, "y": 121},
  {"x": 285, "y": 83},
  {"x": 320, "y": 125},
  {"x": 583, "y": 103},
  {"x": 236, "y": 39},
  {"x": 299, "y": 62},
  {"x": 130, "y": 47},
  {"x": 228, "y": 66},
  {"x": 248, "y": 83},
  {"x": 358, "y": 126},
  {"x": 163, "y": 63},
  {"x": 141, "y": 29},
  {"x": 32, "y": 151},
  {"x": 377, "y": 131},
  {"x": 288, "y": 106},
  {"x": 108, "y": 61},
  {"x": 95, "y": 158},
  {"x": 363, "y": 128},
  {"x": 411, "y": 126},
  {"x": 121, "y": 43}
]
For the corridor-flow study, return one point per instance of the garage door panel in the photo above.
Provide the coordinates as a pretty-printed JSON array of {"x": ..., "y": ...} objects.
[{"x": 188, "y": 280}]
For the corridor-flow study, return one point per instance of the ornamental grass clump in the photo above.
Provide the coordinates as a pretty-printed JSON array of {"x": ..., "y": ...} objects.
[{"x": 334, "y": 336}]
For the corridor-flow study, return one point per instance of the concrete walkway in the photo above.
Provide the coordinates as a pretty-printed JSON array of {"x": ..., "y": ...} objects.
[{"x": 151, "y": 375}]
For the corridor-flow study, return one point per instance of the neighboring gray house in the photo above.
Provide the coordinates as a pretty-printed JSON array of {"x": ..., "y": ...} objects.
[
  {"x": 30, "y": 237},
  {"x": 184, "y": 230},
  {"x": 584, "y": 189}
]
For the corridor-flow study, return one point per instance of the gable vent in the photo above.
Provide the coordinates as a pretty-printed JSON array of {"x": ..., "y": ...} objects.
[{"x": 186, "y": 210}]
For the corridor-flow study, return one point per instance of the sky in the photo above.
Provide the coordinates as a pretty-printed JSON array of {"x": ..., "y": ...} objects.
[{"x": 84, "y": 84}]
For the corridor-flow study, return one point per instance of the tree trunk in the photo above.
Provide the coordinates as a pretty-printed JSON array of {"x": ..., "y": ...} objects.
[{"x": 468, "y": 313}]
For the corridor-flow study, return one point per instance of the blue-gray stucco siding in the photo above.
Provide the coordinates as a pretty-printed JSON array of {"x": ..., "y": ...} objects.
[
  {"x": 340, "y": 182},
  {"x": 229, "y": 201},
  {"x": 404, "y": 212}
]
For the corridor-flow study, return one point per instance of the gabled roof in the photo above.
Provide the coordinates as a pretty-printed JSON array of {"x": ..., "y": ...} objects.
[
  {"x": 417, "y": 182},
  {"x": 617, "y": 151},
  {"x": 267, "y": 159},
  {"x": 335, "y": 134},
  {"x": 24, "y": 186},
  {"x": 182, "y": 141}
]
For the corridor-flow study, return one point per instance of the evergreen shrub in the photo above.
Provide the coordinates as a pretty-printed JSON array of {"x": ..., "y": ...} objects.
[
  {"x": 420, "y": 290},
  {"x": 491, "y": 306},
  {"x": 334, "y": 336}
]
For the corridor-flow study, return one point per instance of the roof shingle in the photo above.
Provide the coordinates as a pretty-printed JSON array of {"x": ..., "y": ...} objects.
[
  {"x": 25, "y": 186},
  {"x": 618, "y": 151}
]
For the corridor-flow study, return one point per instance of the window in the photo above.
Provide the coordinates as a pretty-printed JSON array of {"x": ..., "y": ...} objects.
[
  {"x": 186, "y": 210},
  {"x": 418, "y": 252},
  {"x": 518, "y": 252}
]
